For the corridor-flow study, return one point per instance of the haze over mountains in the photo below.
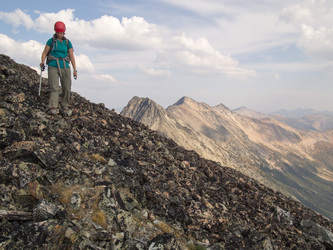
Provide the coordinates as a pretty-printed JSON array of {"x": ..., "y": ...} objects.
[
  {"x": 299, "y": 113},
  {"x": 294, "y": 161},
  {"x": 299, "y": 118}
]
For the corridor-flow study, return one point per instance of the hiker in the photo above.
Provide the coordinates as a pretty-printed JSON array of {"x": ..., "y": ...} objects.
[{"x": 59, "y": 53}]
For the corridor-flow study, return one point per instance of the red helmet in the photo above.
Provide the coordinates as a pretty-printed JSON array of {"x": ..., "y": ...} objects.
[{"x": 59, "y": 27}]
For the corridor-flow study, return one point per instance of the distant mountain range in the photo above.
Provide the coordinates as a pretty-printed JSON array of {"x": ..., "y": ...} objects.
[
  {"x": 299, "y": 118},
  {"x": 299, "y": 113},
  {"x": 294, "y": 161}
]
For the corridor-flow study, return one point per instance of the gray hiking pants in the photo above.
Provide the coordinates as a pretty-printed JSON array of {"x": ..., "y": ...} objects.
[{"x": 66, "y": 84}]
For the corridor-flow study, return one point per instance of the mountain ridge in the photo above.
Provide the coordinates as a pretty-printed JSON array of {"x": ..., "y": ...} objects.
[
  {"x": 267, "y": 150},
  {"x": 299, "y": 112},
  {"x": 308, "y": 119}
]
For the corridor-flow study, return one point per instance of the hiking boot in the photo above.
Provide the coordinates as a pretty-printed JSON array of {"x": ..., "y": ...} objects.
[
  {"x": 53, "y": 111},
  {"x": 67, "y": 111}
]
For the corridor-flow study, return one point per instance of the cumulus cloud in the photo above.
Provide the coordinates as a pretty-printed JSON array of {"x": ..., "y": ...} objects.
[
  {"x": 317, "y": 42},
  {"x": 17, "y": 18},
  {"x": 30, "y": 53},
  {"x": 26, "y": 52},
  {"x": 133, "y": 33},
  {"x": 108, "y": 32},
  {"x": 45, "y": 22},
  {"x": 136, "y": 34},
  {"x": 314, "y": 19},
  {"x": 84, "y": 64},
  {"x": 199, "y": 56},
  {"x": 105, "y": 78}
]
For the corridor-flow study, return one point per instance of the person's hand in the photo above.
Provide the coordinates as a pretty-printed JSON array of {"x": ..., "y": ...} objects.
[
  {"x": 75, "y": 74},
  {"x": 42, "y": 66}
]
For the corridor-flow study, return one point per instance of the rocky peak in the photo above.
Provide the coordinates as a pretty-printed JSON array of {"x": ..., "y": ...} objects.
[
  {"x": 188, "y": 103},
  {"x": 222, "y": 108},
  {"x": 183, "y": 100},
  {"x": 98, "y": 180},
  {"x": 140, "y": 106},
  {"x": 144, "y": 108}
]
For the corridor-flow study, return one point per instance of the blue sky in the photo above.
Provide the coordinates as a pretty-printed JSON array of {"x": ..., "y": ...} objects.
[{"x": 265, "y": 55}]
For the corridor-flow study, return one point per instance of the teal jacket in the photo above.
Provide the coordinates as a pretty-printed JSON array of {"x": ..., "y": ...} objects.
[{"x": 59, "y": 50}]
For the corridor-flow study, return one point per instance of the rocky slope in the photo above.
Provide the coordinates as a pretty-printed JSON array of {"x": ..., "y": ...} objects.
[
  {"x": 292, "y": 161},
  {"x": 98, "y": 180}
]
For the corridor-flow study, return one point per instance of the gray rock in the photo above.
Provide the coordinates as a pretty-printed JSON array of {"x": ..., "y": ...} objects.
[
  {"x": 44, "y": 211},
  {"x": 320, "y": 233}
]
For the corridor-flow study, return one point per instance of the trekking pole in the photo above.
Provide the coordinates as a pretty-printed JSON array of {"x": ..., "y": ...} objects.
[{"x": 40, "y": 80}]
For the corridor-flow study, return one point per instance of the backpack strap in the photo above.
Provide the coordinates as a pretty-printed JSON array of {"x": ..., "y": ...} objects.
[{"x": 50, "y": 58}]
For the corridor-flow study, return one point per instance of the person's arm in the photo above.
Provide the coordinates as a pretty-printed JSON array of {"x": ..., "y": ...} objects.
[
  {"x": 71, "y": 56},
  {"x": 45, "y": 52}
]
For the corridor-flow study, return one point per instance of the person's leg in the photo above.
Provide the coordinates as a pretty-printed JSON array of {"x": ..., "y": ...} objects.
[
  {"x": 54, "y": 87},
  {"x": 66, "y": 85}
]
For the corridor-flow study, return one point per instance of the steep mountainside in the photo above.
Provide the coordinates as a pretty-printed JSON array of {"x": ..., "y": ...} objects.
[
  {"x": 98, "y": 180},
  {"x": 289, "y": 160}
]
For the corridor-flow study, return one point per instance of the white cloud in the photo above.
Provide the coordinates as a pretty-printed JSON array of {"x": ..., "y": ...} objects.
[
  {"x": 17, "y": 18},
  {"x": 317, "y": 42},
  {"x": 156, "y": 73},
  {"x": 199, "y": 56},
  {"x": 106, "y": 78},
  {"x": 26, "y": 52},
  {"x": 45, "y": 22},
  {"x": 108, "y": 32},
  {"x": 240, "y": 26},
  {"x": 311, "y": 12},
  {"x": 314, "y": 19},
  {"x": 30, "y": 53},
  {"x": 135, "y": 34},
  {"x": 84, "y": 64}
]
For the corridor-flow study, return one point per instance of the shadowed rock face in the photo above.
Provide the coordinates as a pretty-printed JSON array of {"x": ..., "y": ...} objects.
[{"x": 97, "y": 180}]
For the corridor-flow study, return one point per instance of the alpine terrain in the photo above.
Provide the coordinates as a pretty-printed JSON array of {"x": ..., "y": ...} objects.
[
  {"x": 295, "y": 162},
  {"x": 93, "y": 179},
  {"x": 300, "y": 118}
]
